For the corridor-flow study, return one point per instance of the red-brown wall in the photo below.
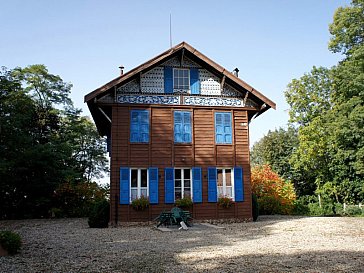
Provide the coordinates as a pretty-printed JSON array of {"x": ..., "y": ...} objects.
[{"x": 161, "y": 152}]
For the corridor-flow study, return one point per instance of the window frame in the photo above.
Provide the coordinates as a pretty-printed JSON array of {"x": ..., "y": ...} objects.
[
  {"x": 224, "y": 134},
  {"x": 183, "y": 131},
  {"x": 224, "y": 187},
  {"x": 183, "y": 183},
  {"x": 139, "y": 182},
  {"x": 183, "y": 89},
  {"x": 140, "y": 111}
]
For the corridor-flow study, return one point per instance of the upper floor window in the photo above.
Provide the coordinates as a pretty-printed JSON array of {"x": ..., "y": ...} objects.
[
  {"x": 225, "y": 183},
  {"x": 138, "y": 183},
  {"x": 223, "y": 131},
  {"x": 181, "y": 79},
  {"x": 139, "y": 126},
  {"x": 182, "y": 127}
]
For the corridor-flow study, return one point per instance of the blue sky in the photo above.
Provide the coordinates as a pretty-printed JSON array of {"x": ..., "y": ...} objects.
[{"x": 270, "y": 41}]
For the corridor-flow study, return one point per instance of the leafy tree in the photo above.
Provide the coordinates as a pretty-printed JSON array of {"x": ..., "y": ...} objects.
[{"x": 41, "y": 146}]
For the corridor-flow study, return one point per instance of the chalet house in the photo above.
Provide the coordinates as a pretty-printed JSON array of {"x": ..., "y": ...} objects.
[{"x": 178, "y": 126}]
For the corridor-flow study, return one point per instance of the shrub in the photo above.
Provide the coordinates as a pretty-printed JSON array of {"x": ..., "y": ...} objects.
[
  {"x": 10, "y": 241},
  {"x": 255, "y": 206},
  {"x": 352, "y": 211},
  {"x": 185, "y": 202},
  {"x": 275, "y": 196},
  {"x": 99, "y": 215},
  {"x": 140, "y": 203},
  {"x": 225, "y": 202}
]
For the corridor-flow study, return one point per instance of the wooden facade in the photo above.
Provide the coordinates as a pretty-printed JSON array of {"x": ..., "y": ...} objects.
[{"x": 112, "y": 104}]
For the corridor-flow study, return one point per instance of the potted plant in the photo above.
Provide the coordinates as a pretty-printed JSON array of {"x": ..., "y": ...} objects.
[
  {"x": 141, "y": 203},
  {"x": 225, "y": 202},
  {"x": 184, "y": 203}
]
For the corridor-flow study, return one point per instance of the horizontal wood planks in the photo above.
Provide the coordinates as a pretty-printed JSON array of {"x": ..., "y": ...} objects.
[{"x": 162, "y": 152}]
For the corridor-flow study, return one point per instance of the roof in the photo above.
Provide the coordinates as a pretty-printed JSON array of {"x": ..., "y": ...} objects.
[{"x": 191, "y": 52}]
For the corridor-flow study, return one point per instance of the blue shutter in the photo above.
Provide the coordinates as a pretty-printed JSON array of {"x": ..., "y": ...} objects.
[
  {"x": 134, "y": 126},
  {"x": 168, "y": 79},
  {"x": 178, "y": 127},
  {"x": 153, "y": 185},
  {"x": 227, "y": 128},
  {"x": 169, "y": 185},
  {"x": 124, "y": 186},
  {"x": 194, "y": 81},
  {"x": 212, "y": 185},
  {"x": 238, "y": 184},
  {"x": 219, "y": 128},
  {"x": 197, "y": 184},
  {"x": 108, "y": 144},
  {"x": 187, "y": 135}
]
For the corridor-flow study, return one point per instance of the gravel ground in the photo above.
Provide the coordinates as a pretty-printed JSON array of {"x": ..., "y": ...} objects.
[{"x": 273, "y": 244}]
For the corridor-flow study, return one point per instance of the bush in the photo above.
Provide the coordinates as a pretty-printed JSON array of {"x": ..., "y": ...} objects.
[
  {"x": 225, "y": 202},
  {"x": 185, "y": 202},
  {"x": 140, "y": 203},
  {"x": 10, "y": 241},
  {"x": 100, "y": 215},
  {"x": 352, "y": 211},
  {"x": 255, "y": 206},
  {"x": 275, "y": 195}
]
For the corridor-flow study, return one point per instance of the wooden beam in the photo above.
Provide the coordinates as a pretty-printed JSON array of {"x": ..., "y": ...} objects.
[
  {"x": 246, "y": 97},
  {"x": 182, "y": 57},
  {"x": 222, "y": 83}
]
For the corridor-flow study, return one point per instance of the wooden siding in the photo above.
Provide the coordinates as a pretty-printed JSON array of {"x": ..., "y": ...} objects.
[{"x": 162, "y": 152}]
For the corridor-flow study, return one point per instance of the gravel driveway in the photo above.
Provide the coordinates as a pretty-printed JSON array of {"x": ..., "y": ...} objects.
[{"x": 273, "y": 244}]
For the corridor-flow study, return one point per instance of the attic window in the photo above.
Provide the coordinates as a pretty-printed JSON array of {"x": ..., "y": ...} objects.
[{"x": 181, "y": 79}]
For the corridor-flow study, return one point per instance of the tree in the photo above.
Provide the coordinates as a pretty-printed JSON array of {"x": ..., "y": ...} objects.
[
  {"x": 41, "y": 146},
  {"x": 331, "y": 116}
]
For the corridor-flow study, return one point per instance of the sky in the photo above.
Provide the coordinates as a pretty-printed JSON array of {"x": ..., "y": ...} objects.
[{"x": 84, "y": 42}]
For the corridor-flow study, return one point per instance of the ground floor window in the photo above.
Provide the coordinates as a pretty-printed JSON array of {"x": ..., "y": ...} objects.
[
  {"x": 225, "y": 182},
  {"x": 138, "y": 183},
  {"x": 182, "y": 183}
]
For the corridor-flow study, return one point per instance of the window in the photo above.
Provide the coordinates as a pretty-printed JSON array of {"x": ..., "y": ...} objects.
[
  {"x": 139, "y": 126},
  {"x": 182, "y": 183},
  {"x": 225, "y": 183},
  {"x": 181, "y": 79},
  {"x": 182, "y": 127},
  {"x": 223, "y": 132},
  {"x": 138, "y": 183}
]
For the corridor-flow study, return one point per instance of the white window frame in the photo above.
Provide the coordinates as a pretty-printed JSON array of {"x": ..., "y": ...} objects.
[
  {"x": 224, "y": 182},
  {"x": 139, "y": 183},
  {"x": 183, "y": 182},
  {"x": 188, "y": 83}
]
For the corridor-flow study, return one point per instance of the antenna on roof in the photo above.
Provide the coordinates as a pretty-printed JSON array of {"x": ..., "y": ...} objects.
[{"x": 170, "y": 30}]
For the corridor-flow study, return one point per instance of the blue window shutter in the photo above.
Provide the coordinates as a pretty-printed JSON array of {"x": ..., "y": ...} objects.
[
  {"x": 219, "y": 128},
  {"x": 194, "y": 81},
  {"x": 139, "y": 126},
  {"x": 153, "y": 185},
  {"x": 169, "y": 185},
  {"x": 227, "y": 128},
  {"x": 197, "y": 184},
  {"x": 212, "y": 185},
  {"x": 187, "y": 135},
  {"x": 168, "y": 79},
  {"x": 178, "y": 127},
  {"x": 124, "y": 186},
  {"x": 238, "y": 184}
]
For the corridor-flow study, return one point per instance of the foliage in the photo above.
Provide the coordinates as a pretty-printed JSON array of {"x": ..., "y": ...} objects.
[
  {"x": 225, "y": 202},
  {"x": 141, "y": 203},
  {"x": 185, "y": 202},
  {"x": 275, "y": 195},
  {"x": 76, "y": 200},
  {"x": 328, "y": 107},
  {"x": 255, "y": 207},
  {"x": 99, "y": 215},
  {"x": 10, "y": 241},
  {"x": 42, "y": 146},
  {"x": 352, "y": 210}
]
